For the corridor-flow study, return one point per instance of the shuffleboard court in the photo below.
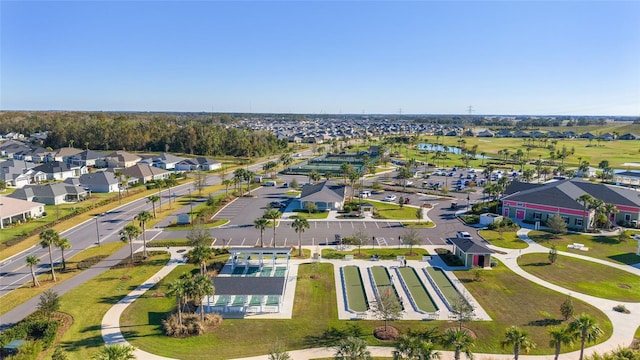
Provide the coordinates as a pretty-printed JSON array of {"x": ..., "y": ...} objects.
[
  {"x": 356, "y": 296},
  {"x": 443, "y": 283},
  {"x": 417, "y": 290}
]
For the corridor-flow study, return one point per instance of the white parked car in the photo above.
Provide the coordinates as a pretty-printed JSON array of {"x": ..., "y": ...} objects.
[
  {"x": 463, "y": 235},
  {"x": 390, "y": 198}
]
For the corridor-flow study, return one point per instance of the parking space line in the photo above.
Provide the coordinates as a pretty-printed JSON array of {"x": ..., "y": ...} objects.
[
  {"x": 243, "y": 240},
  {"x": 313, "y": 241},
  {"x": 328, "y": 226},
  {"x": 339, "y": 224}
]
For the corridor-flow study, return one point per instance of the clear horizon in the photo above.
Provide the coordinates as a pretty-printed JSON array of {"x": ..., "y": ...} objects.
[{"x": 515, "y": 58}]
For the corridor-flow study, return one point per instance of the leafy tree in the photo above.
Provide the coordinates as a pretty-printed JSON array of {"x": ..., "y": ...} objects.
[
  {"x": 294, "y": 183},
  {"x": 299, "y": 225},
  {"x": 359, "y": 238},
  {"x": 115, "y": 352},
  {"x": 144, "y": 216},
  {"x": 261, "y": 224},
  {"x": 273, "y": 215},
  {"x": 553, "y": 254},
  {"x": 198, "y": 235},
  {"x": 352, "y": 348},
  {"x": 49, "y": 303},
  {"x": 59, "y": 354},
  {"x": 388, "y": 307},
  {"x": 460, "y": 340},
  {"x": 519, "y": 339},
  {"x": 199, "y": 255},
  {"x": 585, "y": 199},
  {"x": 557, "y": 225},
  {"x": 32, "y": 261},
  {"x": 411, "y": 347},
  {"x": 419, "y": 215},
  {"x": 153, "y": 199},
  {"x": 199, "y": 182},
  {"x": 586, "y": 329},
  {"x": 129, "y": 233},
  {"x": 401, "y": 202},
  {"x": 278, "y": 352},
  {"x": 566, "y": 308},
  {"x": 310, "y": 206},
  {"x": 463, "y": 309},
  {"x": 48, "y": 239},
  {"x": 560, "y": 336},
  {"x": 412, "y": 238}
]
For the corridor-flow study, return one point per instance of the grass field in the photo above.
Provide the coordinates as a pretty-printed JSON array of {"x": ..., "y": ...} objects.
[
  {"x": 314, "y": 215},
  {"x": 383, "y": 254},
  {"x": 601, "y": 247},
  {"x": 392, "y": 211},
  {"x": 602, "y": 281},
  {"x": 510, "y": 239},
  {"x": 419, "y": 293},
  {"x": 356, "y": 297}
]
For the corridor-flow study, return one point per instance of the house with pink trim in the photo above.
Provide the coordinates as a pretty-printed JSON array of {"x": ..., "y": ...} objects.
[{"x": 538, "y": 202}]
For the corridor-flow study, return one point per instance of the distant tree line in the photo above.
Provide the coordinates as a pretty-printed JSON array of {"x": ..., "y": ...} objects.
[{"x": 192, "y": 134}]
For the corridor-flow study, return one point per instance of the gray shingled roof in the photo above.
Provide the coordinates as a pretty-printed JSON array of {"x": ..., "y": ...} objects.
[
  {"x": 323, "y": 191},
  {"x": 237, "y": 285},
  {"x": 470, "y": 246}
]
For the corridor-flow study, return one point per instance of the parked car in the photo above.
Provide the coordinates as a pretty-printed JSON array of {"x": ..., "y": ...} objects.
[
  {"x": 277, "y": 205},
  {"x": 390, "y": 198},
  {"x": 463, "y": 235},
  {"x": 365, "y": 194}
]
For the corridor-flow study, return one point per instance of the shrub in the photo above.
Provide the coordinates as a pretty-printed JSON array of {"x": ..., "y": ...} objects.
[
  {"x": 621, "y": 309},
  {"x": 191, "y": 325},
  {"x": 89, "y": 262}
]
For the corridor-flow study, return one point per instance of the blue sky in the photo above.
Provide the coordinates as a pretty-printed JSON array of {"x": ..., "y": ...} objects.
[{"x": 421, "y": 57}]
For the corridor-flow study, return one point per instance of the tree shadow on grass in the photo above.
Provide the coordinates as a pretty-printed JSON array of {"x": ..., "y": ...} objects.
[
  {"x": 331, "y": 336},
  {"x": 626, "y": 258},
  {"x": 537, "y": 264}
]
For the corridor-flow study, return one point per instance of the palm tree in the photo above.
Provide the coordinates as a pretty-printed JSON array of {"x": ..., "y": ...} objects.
[
  {"x": 178, "y": 289},
  {"x": 597, "y": 206},
  {"x": 272, "y": 215},
  {"x": 585, "y": 199},
  {"x": 144, "y": 216},
  {"x": 226, "y": 183},
  {"x": 346, "y": 169},
  {"x": 153, "y": 199},
  {"x": 199, "y": 255},
  {"x": 48, "y": 239},
  {"x": 129, "y": 233},
  {"x": 160, "y": 185},
  {"x": 609, "y": 209},
  {"x": 201, "y": 286},
  {"x": 560, "y": 336},
  {"x": 460, "y": 340},
  {"x": 519, "y": 339},
  {"x": 115, "y": 352},
  {"x": 169, "y": 183},
  {"x": 586, "y": 329},
  {"x": 299, "y": 225},
  {"x": 32, "y": 261},
  {"x": 261, "y": 224},
  {"x": 412, "y": 347},
  {"x": 352, "y": 348},
  {"x": 63, "y": 243}
]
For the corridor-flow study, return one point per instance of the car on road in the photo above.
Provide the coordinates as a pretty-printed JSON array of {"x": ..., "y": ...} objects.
[{"x": 390, "y": 198}]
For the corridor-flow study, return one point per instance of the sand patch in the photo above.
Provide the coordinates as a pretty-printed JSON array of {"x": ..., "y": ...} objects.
[{"x": 631, "y": 164}]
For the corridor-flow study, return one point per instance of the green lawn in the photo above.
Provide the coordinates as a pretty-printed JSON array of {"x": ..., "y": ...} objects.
[
  {"x": 89, "y": 302},
  {"x": 383, "y": 253},
  {"x": 356, "y": 297},
  {"x": 510, "y": 239},
  {"x": 392, "y": 211},
  {"x": 211, "y": 225},
  {"x": 168, "y": 242},
  {"x": 419, "y": 225},
  {"x": 571, "y": 273},
  {"x": 314, "y": 215},
  {"x": 602, "y": 247}
]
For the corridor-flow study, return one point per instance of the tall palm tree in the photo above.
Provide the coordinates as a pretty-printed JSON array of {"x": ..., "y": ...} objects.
[
  {"x": 169, "y": 183},
  {"x": 32, "y": 261},
  {"x": 345, "y": 169},
  {"x": 199, "y": 255},
  {"x": 178, "y": 289},
  {"x": 519, "y": 339},
  {"x": 160, "y": 185},
  {"x": 144, "y": 216},
  {"x": 129, "y": 233},
  {"x": 610, "y": 209},
  {"x": 153, "y": 199},
  {"x": 63, "y": 243},
  {"x": 201, "y": 286},
  {"x": 299, "y": 225},
  {"x": 226, "y": 183},
  {"x": 414, "y": 347},
  {"x": 115, "y": 352},
  {"x": 460, "y": 340},
  {"x": 352, "y": 348},
  {"x": 585, "y": 199},
  {"x": 560, "y": 336},
  {"x": 48, "y": 239},
  {"x": 261, "y": 224},
  {"x": 273, "y": 215},
  {"x": 586, "y": 329},
  {"x": 597, "y": 206}
]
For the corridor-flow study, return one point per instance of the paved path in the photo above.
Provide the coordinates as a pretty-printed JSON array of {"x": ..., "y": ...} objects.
[{"x": 624, "y": 325}]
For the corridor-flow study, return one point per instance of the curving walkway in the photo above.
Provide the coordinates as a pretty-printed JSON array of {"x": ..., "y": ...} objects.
[{"x": 624, "y": 325}]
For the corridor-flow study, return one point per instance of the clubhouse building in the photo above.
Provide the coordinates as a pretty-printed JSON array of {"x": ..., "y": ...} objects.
[{"x": 539, "y": 202}]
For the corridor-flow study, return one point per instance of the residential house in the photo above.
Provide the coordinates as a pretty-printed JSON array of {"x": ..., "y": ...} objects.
[
  {"x": 14, "y": 210},
  {"x": 10, "y": 148},
  {"x": 86, "y": 158},
  {"x": 199, "y": 163},
  {"x": 59, "y": 170},
  {"x": 629, "y": 136},
  {"x": 607, "y": 137},
  {"x": 36, "y": 155},
  {"x": 51, "y": 194},
  {"x": 62, "y": 154},
  {"x": 118, "y": 159},
  {"x": 326, "y": 196},
  {"x": 588, "y": 135},
  {"x": 538, "y": 202},
  {"x": 486, "y": 133},
  {"x": 19, "y": 173},
  {"x": 143, "y": 174},
  {"x": 97, "y": 182}
]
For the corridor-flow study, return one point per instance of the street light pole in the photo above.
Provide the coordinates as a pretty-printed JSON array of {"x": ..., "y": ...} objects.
[{"x": 97, "y": 230}]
